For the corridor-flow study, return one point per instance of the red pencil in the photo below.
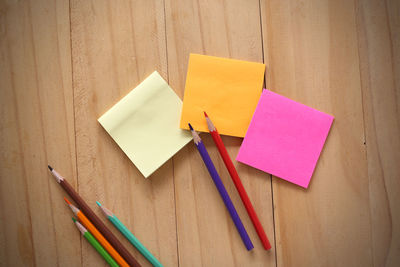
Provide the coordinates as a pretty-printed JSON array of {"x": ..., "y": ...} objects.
[{"x": 238, "y": 183}]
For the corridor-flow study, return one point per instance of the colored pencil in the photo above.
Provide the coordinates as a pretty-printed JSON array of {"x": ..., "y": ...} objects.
[
  {"x": 221, "y": 189},
  {"x": 94, "y": 219},
  {"x": 92, "y": 229},
  {"x": 90, "y": 238},
  {"x": 238, "y": 183},
  {"x": 125, "y": 231}
]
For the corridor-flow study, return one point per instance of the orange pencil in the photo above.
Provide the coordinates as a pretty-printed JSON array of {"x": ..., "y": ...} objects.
[{"x": 93, "y": 230}]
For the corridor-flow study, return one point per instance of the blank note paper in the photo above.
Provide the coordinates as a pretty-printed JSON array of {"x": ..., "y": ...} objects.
[
  {"x": 285, "y": 138},
  {"x": 227, "y": 89},
  {"x": 145, "y": 124}
]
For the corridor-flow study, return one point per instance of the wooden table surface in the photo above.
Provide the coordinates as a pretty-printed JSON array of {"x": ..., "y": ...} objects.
[{"x": 64, "y": 63}]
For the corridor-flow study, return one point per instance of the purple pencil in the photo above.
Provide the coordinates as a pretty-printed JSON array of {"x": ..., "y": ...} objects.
[{"x": 221, "y": 189}]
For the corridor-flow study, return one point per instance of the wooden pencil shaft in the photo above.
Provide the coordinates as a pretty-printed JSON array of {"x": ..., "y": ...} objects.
[
  {"x": 81, "y": 228},
  {"x": 99, "y": 224}
]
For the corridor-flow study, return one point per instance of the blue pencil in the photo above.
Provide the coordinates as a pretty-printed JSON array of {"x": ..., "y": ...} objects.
[{"x": 221, "y": 189}]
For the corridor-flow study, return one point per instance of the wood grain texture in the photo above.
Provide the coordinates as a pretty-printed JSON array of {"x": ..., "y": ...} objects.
[
  {"x": 379, "y": 51},
  {"x": 312, "y": 52},
  {"x": 37, "y": 128},
  {"x": 115, "y": 46},
  {"x": 206, "y": 233},
  {"x": 64, "y": 63}
]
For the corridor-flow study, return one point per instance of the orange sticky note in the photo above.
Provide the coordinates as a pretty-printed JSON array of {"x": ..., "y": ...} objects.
[{"x": 227, "y": 89}]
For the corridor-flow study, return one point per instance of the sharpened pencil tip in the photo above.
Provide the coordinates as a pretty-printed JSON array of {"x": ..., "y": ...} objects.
[
  {"x": 98, "y": 203},
  {"x": 190, "y": 126},
  {"x": 73, "y": 219},
  {"x": 66, "y": 200},
  {"x": 50, "y": 168},
  {"x": 205, "y": 114}
]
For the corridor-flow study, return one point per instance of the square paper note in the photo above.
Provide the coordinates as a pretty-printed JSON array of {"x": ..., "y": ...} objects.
[
  {"x": 227, "y": 89},
  {"x": 285, "y": 138},
  {"x": 145, "y": 124}
]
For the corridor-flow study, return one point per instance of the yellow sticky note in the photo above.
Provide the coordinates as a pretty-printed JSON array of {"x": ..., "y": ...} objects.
[
  {"x": 145, "y": 124},
  {"x": 227, "y": 89}
]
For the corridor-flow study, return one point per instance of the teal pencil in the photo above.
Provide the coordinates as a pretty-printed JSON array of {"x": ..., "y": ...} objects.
[{"x": 125, "y": 231}]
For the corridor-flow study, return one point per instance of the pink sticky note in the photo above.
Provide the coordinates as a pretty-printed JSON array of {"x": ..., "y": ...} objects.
[{"x": 285, "y": 138}]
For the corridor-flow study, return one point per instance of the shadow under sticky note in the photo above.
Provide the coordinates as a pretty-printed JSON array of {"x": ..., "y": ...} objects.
[
  {"x": 285, "y": 138},
  {"x": 145, "y": 124},
  {"x": 227, "y": 89}
]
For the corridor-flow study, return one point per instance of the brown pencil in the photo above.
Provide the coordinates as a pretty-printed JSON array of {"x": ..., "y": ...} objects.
[{"x": 94, "y": 219}]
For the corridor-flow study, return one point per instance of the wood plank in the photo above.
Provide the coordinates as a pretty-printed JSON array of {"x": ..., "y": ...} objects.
[
  {"x": 379, "y": 49},
  {"x": 37, "y": 128},
  {"x": 206, "y": 234},
  {"x": 312, "y": 52},
  {"x": 115, "y": 46}
]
